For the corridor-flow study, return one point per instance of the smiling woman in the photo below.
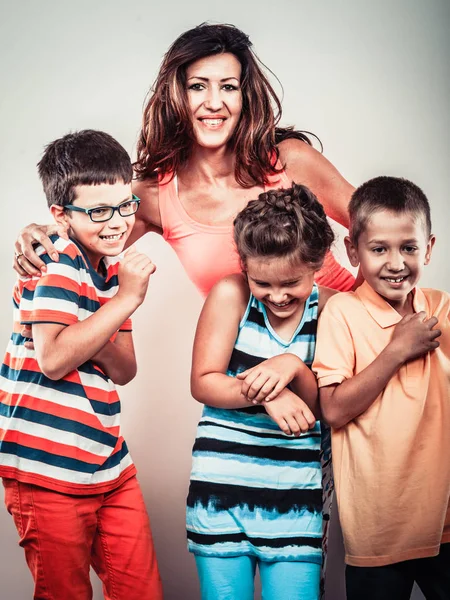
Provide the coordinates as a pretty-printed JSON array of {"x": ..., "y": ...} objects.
[
  {"x": 209, "y": 144},
  {"x": 215, "y": 98}
]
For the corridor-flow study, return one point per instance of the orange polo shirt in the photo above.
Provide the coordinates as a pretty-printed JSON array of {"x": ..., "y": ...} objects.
[{"x": 392, "y": 463}]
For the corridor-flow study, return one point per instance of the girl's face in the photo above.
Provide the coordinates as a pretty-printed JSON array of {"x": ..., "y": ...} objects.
[
  {"x": 281, "y": 284},
  {"x": 215, "y": 98}
]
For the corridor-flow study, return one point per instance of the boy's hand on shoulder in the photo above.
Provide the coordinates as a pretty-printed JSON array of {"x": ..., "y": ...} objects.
[
  {"x": 415, "y": 335},
  {"x": 134, "y": 273},
  {"x": 265, "y": 381},
  {"x": 291, "y": 414}
]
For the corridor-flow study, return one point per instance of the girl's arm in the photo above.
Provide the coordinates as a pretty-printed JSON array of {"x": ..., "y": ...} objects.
[
  {"x": 27, "y": 262},
  {"x": 303, "y": 164},
  {"x": 304, "y": 384},
  {"x": 216, "y": 334},
  {"x": 117, "y": 359},
  {"x": 265, "y": 382},
  {"x": 215, "y": 337}
]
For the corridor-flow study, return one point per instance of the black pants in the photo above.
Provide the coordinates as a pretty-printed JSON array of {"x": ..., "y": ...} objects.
[{"x": 395, "y": 582}]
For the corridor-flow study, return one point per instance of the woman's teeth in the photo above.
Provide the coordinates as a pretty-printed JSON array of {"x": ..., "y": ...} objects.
[{"x": 212, "y": 122}]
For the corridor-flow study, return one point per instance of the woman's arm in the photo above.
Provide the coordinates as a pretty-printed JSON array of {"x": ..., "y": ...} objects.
[
  {"x": 303, "y": 164},
  {"x": 325, "y": 294},
  {"x": 214, "y": 341},
  {"x": 27, "y": 262},
  {"x": 148, "y": 217}
]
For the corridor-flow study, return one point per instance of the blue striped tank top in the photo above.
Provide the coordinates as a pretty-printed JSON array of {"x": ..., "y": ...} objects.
[{"x": 253, "y": 489}]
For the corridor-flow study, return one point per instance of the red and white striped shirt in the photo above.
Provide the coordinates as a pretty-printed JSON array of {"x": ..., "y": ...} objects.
[{"x": 63, "y": 435}]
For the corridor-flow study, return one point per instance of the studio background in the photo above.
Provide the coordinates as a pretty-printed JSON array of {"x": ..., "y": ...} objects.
[{"x": 372, "y": 80}]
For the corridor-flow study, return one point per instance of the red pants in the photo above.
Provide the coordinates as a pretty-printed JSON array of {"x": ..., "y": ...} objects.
[{"x": 64, "y": 535}]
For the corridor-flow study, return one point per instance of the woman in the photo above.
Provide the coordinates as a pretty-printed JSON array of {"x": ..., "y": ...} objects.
[{"x": 209, "y": 144}]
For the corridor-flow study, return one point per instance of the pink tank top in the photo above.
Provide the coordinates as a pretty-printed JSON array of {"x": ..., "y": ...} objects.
[{"x": 208, "y": 253}]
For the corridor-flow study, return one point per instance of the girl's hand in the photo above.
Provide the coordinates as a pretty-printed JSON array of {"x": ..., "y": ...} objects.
[
  {"x": 26, "y": 261},
  {"x": 415, "y": 335},
  {"x": 134, "y": 273},
  {"x": 291, "y": 414},
  {"x": 265, "y": 381}
]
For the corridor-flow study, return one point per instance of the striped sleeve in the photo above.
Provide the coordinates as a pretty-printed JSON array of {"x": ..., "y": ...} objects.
[
  {"x": 127, "y": 326},
  {"x": 57, "y": 295}
]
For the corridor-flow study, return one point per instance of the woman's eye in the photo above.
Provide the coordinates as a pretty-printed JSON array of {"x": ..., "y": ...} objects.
[
  {"x": 196, "y": 87},
  {"x": 229, "y": 88}
]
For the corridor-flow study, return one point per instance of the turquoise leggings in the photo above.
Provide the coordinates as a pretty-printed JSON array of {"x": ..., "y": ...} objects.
[{"x": 233, "y": 579}]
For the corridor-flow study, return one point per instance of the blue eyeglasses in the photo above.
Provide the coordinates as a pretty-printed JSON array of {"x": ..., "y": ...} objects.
[{"x": 105, "y": 213}]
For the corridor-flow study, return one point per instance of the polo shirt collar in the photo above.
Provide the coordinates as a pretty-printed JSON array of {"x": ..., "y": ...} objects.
[{"x": 381, "y": 311}]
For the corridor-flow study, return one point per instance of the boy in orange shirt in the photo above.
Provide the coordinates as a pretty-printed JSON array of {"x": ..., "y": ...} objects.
[{"x": 383, "y": 367}]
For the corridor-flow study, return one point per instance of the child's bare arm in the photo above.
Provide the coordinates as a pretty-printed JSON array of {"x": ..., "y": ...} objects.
[
  {"x": 267, "y": 380},
  {"x": 117, "y": 359},
  {"x": 60, "y": 349},
  {"x": 216, "y": 334},
  {"x": 413, "y": 336},
  {"x": 290, "y": 413}
]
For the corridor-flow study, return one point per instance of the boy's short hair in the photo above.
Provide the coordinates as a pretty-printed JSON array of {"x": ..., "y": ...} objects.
[
  {"x": 386, "y": 193},
  {"x": 85, "y": 157}
]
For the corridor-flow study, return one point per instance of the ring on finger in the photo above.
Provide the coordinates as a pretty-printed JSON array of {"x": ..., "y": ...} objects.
[{"x": 18, "y": 254}]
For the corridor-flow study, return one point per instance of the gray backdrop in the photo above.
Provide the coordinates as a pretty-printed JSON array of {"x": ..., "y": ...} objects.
[{"x": 370, "y": 78}]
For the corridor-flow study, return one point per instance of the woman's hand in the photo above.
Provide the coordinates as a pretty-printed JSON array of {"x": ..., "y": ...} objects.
[
  {"x": 265, "y": 381},
  {"x": 26, "y": 261}
]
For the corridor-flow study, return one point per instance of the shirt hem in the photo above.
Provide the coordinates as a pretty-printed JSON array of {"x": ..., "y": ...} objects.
[
  {"x": 72, "y": 489},
  {"x": 312, "y": 559},
  {"x": 381, "y": 561}
]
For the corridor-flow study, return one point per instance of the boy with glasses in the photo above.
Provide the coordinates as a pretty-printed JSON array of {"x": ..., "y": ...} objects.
[{"x": 70, "y": 483}]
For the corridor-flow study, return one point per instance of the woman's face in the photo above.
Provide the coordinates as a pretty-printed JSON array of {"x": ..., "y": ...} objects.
[{"x": 215, "y": 98}]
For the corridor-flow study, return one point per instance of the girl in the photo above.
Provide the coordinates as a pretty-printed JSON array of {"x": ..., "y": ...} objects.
[{"x": 255, "y": 495}]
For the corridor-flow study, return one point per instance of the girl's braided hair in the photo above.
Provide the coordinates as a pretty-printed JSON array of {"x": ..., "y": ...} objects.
[{"x": 284, "y": 223}]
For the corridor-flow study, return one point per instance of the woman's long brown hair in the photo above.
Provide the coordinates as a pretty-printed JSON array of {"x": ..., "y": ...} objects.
[{"x": 167, "y": 137}]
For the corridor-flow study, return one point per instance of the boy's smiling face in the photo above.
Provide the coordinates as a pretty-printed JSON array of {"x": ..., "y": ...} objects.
[
  {"x": 98, "y": 239},
  {"x": 391, "y": 252}
]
